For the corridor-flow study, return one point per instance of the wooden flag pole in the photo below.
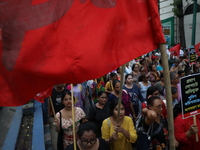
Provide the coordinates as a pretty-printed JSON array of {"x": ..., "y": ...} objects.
[
  {"x": 120, "y": 92},
  {"x": 50, "y": 99},
  {"x": 168, "y": 96},
  {"x": 195, "y": 123},
  {"x": 73, "y": 116}
]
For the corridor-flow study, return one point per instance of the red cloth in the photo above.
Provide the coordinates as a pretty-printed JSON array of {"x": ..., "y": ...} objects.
[
  {"x": 44, "y": 94},
  {"x": 197, "y": 49},
  {"x": 70, "y": 41},
  {"x": 175, "y": 51},
  {"x": 181, "y": 126}
]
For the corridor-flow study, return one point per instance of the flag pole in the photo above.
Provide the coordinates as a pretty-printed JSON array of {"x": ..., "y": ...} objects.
[
  {"x": 50, "y": 99},
  {"x": 167, "y": 83},
  {"x": 120, "y": 92},
  {"x": 195, "y": 123},
  {"x": 73, "y": 116}
]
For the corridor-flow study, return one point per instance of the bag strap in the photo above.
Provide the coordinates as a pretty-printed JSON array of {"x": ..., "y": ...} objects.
[
  {"x": 158, "y": 129},
  {"x": 150, "y": 128}
]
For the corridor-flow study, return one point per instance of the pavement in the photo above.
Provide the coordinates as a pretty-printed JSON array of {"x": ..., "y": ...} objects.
[
  {"x": 53, "y": 134},
  {"x": 6, "y": 115}
]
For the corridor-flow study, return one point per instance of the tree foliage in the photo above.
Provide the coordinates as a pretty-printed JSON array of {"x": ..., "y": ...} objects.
[{"x": 178, "y": 11}]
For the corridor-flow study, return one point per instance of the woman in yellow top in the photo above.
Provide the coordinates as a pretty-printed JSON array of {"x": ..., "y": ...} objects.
[
  {"x": 109, "y": 85},
  {"x": 121, "y": 135}
]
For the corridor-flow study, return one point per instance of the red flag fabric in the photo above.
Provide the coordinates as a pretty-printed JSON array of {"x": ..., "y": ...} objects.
[
  {"x": 175, "y": 51},
  {"x": 48, "y": 42},
  {"x": 44, "y": 94},
  {"x": 197, "y": 49}
]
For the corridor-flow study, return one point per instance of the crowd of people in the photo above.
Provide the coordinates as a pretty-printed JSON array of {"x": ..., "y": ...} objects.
[{"x": 97, "y": 122}]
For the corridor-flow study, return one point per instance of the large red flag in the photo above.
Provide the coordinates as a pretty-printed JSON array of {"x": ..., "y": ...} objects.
[
  {"x": 46, "y": 42},
  {"x": 197, "y": 49},
  {"x": 175, "y": 51}
]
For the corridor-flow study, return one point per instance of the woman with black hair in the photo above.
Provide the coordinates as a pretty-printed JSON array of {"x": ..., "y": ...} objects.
[
  {"x": 153, "y": 74},
  {"x": 136, "y": 73},
  {"x": 126, "y": 99},
  {"x": 160, "y": 85},
  {"x": 185, "y": 130},
  {"x": 109, "y": 85},
  {"x": 87, "y": 139},
  {"x": 99, "y": 111},
  {"x": 135, "y": 94},
  {"x": 64, "y": 118},
  {"x": 119, "y": 135},
  {"x": 156, "y": 124},
  {"x": 144, "y": 84}
]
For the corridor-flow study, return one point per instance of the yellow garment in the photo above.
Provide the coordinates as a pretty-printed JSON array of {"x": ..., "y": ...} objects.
[
  {"x": 122, "y": 143},
  {"x": 109, "y": 86}
]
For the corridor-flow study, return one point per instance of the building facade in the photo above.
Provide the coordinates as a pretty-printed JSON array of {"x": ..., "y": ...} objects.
[{"x": 170, "y": 22}]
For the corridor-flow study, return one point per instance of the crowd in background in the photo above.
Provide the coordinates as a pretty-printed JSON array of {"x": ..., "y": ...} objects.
[{"x": 143, "y": 94}]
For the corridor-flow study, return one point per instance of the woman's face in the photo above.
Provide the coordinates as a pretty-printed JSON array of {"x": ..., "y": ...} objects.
[
  {"x": 117, "y": 87},
  {"x": 136, "y": 68},
  {"x": 122, "y": 112},
  {"x": 88, "y": 139},
  {"x": 153, "y": 67},
  {"x": 103, "y": 99},
  {"x": 129, "y": 79},
  {"x": 114, "y": 78},
  {"x": 67, "y": 101},
  {"x": 157, "y": 106},
  {"x": 146, "y": 78}
]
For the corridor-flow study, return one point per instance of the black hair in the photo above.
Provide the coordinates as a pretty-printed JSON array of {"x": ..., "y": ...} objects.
[
  {"x": 177, "y": 110},
  {"x": 161, "y": 75},
  {"x": 101, "y": 92},
  {"x": 135, "y": 65},
  {"x": 65, "y": 92},
  {"x": 151, "y": 100},
  {"x": 126, "y": 76},
  {"x": 86, "y": 126},
  {"x": 112, "y": 74},
  {"x": 113, "y": 104},
  {"x": 160, "y": 61},
  {"x": 115, "y": 82},
  {"x": 151, "y": 90},
  {"x": 174, "y": 90},
  {"x": 118, "y": 69},
  {"x": 150, "y": 66},
  {"x": 142, "y": 60},
  {"x": 142, "y": 77}
]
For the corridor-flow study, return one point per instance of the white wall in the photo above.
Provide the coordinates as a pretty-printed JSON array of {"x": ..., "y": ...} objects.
[
  {"x": 166, "y": 9},
  {"x": 188, "y": 19}
]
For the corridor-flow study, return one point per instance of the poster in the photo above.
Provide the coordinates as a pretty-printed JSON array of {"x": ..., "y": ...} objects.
[
  {"x": 192, "y": 55},
  {"x": 190, "y": 93}
]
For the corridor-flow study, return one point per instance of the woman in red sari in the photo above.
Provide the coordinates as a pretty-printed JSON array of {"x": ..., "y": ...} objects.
[{"x": 185, "y": 131}]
